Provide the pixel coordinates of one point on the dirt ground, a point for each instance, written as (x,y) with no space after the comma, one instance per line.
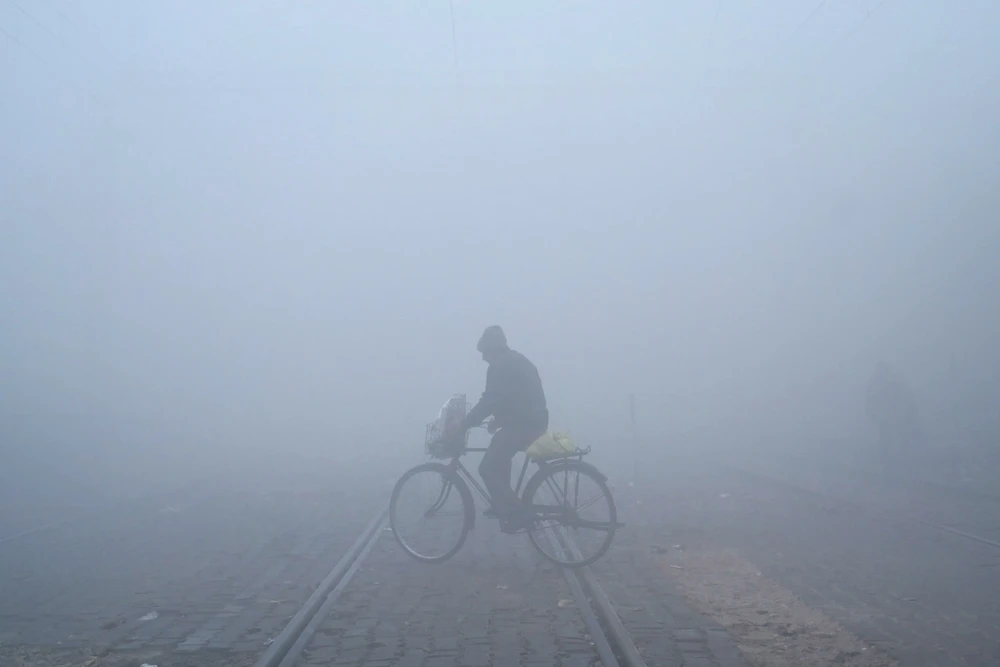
(771,626)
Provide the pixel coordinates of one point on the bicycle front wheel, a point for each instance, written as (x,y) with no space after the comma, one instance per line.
(431,512)
(575,515)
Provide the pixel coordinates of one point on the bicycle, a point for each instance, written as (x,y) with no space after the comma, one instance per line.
(453,476)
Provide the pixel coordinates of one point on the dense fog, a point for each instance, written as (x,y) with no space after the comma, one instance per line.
(235,234)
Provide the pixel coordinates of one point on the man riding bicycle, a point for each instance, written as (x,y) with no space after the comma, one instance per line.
(515,399)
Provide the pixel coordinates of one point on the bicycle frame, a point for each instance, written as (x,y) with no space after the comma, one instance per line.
(465,474)
(470,479)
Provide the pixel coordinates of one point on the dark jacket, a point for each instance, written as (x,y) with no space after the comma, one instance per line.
(513,395)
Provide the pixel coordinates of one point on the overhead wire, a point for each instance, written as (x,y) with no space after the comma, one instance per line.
(715,21)
(56,37)
(36,56)
(459,91)
(14,39)
(62,15)
(87,35)
(454,42)
(60,73)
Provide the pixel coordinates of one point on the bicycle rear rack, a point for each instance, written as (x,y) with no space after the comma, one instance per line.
(577,454)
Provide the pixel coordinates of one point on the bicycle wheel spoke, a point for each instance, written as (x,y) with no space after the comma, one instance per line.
(557,493)
(576,492)
(576,506)
(556,502)
(589,503)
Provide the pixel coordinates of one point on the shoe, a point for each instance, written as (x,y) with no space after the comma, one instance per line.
(510,527)
(490,513)
(521,521)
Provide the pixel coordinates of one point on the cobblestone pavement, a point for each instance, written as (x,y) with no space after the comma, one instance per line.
(665,629)
(207,577)
(969,509)
(926,597)
(220,568)
(495,603)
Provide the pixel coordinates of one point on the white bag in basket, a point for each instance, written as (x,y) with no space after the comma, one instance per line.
(443,437)
(452,413)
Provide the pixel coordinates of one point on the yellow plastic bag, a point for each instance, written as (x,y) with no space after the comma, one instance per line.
(550,445)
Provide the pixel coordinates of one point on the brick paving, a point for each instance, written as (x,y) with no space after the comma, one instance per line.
(495,603)
(499,603)
(665,629)
(969,509)
(218,570)
(224,569)
(926,598)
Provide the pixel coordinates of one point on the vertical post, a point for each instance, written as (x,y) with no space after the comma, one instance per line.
(956,413)
(635,437)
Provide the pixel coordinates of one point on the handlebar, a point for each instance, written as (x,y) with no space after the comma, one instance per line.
(483,425)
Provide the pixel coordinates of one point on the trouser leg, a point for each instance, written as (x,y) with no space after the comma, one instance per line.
(495,469)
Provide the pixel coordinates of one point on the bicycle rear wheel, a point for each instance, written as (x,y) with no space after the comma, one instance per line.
(431,512)
(575,515)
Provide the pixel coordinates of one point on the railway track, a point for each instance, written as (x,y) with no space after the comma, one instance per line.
(925,484)
(288,646)
(911,517)
(606,632)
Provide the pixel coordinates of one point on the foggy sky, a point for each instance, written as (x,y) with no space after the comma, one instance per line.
(265,227)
